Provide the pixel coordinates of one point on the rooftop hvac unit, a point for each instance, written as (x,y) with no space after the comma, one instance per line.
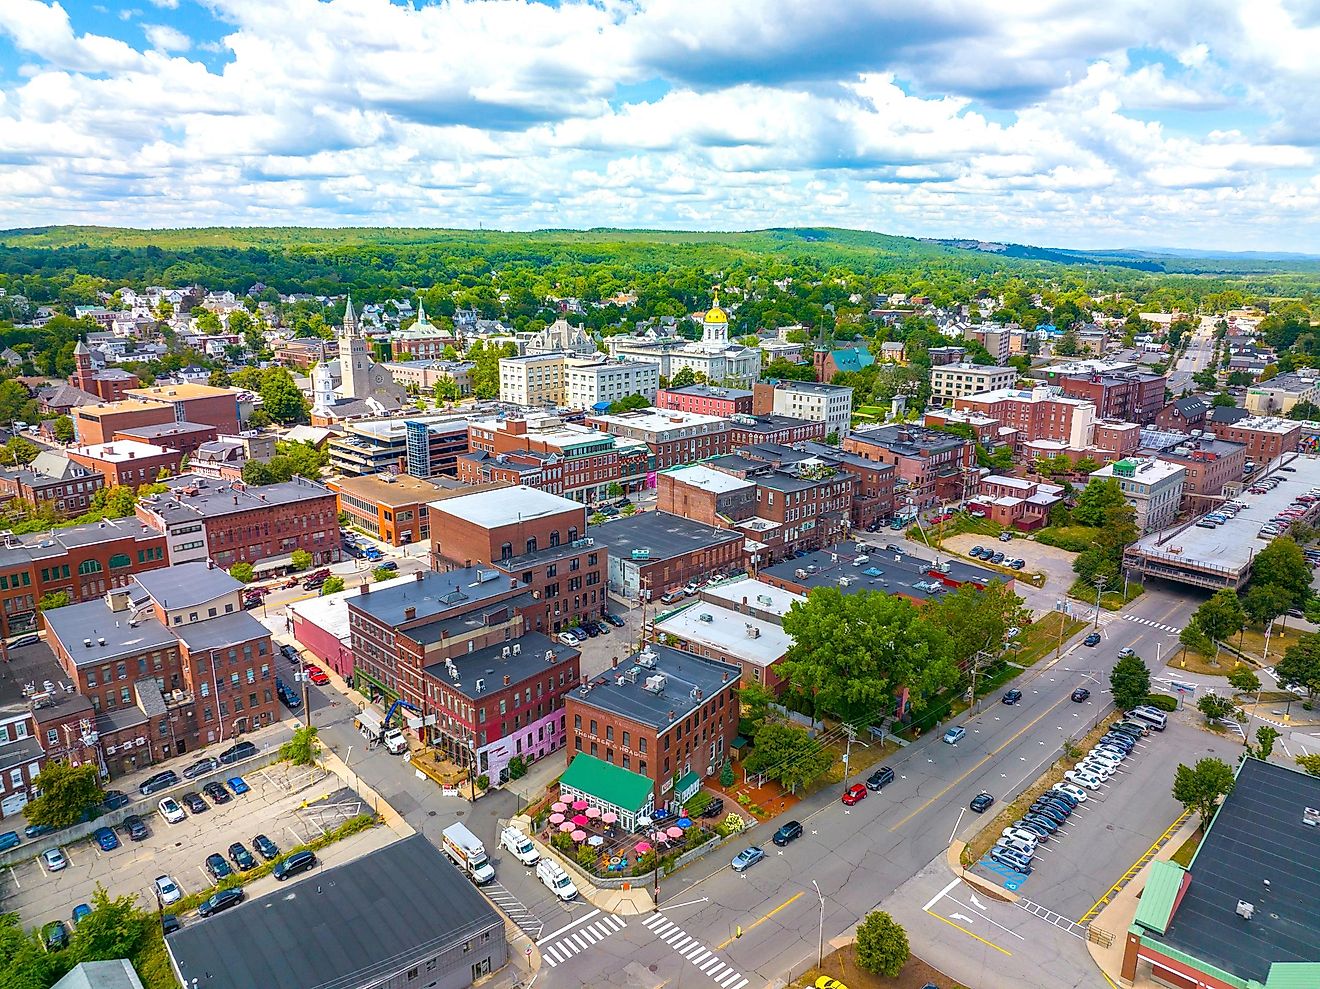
(504,653)
(1245,910)
(481,684)
(753,632)
(764,599)
(646,658)
(655,684)
(706,617)
(110,750)
(517,648)
(799,573)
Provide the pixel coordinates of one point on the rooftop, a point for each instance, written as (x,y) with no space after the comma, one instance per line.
(330,611)
(221,631)
(111,634)
(519,503)
(769,423)
(1146,471)
(430,592)
(34,664)
(121,451)
(814,387)
(1291,381)
(123,405)
(710,391)
(857,566)
(758,595)
(165,430)
(176,393)
(731,633)
(187,584)
(481,673)
(192,497)
(341,928)
(1041,393)
(663,535)
(967,366)
(17,550)
(392,490)
(1267,424)
(909,440)
(708,479)
(688,681)
(663,420)
(1257,837)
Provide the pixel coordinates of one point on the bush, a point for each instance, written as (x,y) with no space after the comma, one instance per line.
(483,782)
(1162,702)
(732,824)
(517,767)
(882,945)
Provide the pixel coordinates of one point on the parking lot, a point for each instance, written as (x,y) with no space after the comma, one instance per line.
(597,653)
(273,806)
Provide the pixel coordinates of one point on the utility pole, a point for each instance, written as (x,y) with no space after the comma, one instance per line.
(847,754)
(1100,583)
(820,929)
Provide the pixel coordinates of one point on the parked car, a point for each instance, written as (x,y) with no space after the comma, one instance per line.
(106,839)
(747,858)
(976,552)
(222,900)
(55,935)
(167,890)
(1082,778)
(955,734)
(1006,856)
(217,793)
(981,802)
(1125,652)
(290,653)
(1011,696)
(294,864)
(53,859)
(217,867)
(114,799)
(1005,537)
(591,630)
(243,750)
(1018,564)
(195,803)
(790,831)
(241,857)
(1076,793)
(80,913)
(614,620)
(854,793)
(201,768)
(36,831)
(30,639)
(170,810)
(1092,640)
(237,785)
(880,779)
(266,848)
(8,840)
(1022,835)
(1080,695)
(387,565)
(568,640)
(287,695)
(135,827)
(161,781)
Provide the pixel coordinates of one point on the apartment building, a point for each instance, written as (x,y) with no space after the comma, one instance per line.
(994,337)
(706,400)
(1278,395)
(561,457)
(1210,464)
(1154,488)
(1265,437)
(662,713)
(534,536)
(930,467)
(873,484)
(52,480)
(830,404)
(1040,413)
(671,437)
(127,461)
(1134,396)
(949,382)
(231,522)
(749,430)
(562,380)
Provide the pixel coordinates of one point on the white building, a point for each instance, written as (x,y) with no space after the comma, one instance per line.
(532,381)
(950,381)
(1153,487)
(721,362)
(812,400)
(572,382)
(560,337)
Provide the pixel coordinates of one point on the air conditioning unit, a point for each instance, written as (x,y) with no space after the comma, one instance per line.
(706,617)
(110,750)
(481,684)
(517,648)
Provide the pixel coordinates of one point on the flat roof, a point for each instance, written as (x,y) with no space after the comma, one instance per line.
(965,366)
(682,671)
(123,405)
(659,420)
(28,664)
(216,499)
(710,391)
(882,570)
(224,630)
(491,666)
(75,623)
(519,503)
(728,632)
(759,595)
(665,535)
(329,612)
(431,592)
(175,393)
(164,429)
(389,489)
(121,451)
(341,927)
(708,479)
(187,584)
(1256,836)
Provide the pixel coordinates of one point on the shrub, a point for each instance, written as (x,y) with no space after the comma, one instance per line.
(726,774)
(483,782)
(882,945)
(1162,702)
(517,767)
(587,858)
(697,804)
(732,824)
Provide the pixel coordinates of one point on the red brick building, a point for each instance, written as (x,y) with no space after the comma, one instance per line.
(1210,463)
(746,430)
(673,438)
(654,553)
(128,461)
(661,713)
(1183,414)
(108,385)
(873,484)
(706,400)
(52,480)
(99,423)
(1038,414)
(1264,437)
(1133,396)
(217,407)
(533,536)
(186,437)
(930,467)
(557,456)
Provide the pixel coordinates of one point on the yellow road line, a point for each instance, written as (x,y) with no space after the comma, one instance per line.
(757,923)
(1133,869)
(1011,739)
(1002,951)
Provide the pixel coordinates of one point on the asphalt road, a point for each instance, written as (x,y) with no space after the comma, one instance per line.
(1200,352)
(858,856)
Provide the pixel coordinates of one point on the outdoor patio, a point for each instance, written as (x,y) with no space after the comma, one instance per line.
(598,843)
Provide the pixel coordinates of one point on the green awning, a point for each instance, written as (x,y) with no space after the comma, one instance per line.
(610,784)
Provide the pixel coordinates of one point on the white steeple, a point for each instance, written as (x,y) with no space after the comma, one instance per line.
(421,314)
(323,387)
(350,318)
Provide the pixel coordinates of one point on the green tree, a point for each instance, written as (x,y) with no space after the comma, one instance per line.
(1282,564)
(1310,763)
(615,490)
(1199,788)
(62,428)
(1304,412)
(882,946)
(1130,682)
(20,450)
(973,620)
(332,585)
(852,653)
(446,390)
(383,573)
(1222,401)
(301,749)
(1243,679)
(754,700)
(67,792)
(54,599)
(281,399)
(629,403)
(1194,637)
(115,502)
(726,774)
(256,473)
(1265,602)
(301,559)
(1266,736)
(683,378)
(1221,616)
(115,928)
(242,572)
(1097,498)
(1215,707)
(784,370)
(788,754)
(1300,666)
(24,963)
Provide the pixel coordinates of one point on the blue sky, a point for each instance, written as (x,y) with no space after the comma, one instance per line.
(1183,124)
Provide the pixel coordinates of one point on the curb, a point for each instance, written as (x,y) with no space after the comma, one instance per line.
(953,856)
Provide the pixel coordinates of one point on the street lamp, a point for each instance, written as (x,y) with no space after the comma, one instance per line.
(820,928)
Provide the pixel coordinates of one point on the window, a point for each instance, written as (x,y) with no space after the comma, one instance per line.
(89,566)
(120,560)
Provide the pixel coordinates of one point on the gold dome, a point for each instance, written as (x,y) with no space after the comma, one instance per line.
(715,314)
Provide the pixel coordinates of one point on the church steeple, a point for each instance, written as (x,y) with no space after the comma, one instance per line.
(421,314)
(350,318)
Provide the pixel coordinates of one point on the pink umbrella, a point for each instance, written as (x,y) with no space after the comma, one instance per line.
(659,836)
(566,827)
(559,807)
(674,832)
(580,820)
(609,817)
(642,848)
(556,818)
(593,812)
(579,805)
(579,836)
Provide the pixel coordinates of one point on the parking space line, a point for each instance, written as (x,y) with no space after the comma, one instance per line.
(988,920)
(1136,867)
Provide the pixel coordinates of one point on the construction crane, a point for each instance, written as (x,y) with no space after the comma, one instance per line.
(389,715)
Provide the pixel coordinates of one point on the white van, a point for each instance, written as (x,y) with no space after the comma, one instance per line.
(1152,716)
(554,877)
(520,845)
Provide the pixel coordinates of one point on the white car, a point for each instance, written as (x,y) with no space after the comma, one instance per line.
(1021,835)
(1076,792)
(1082,778)
(1111,756)
(168,890)
(1097,768)
(170,810)
(54,859)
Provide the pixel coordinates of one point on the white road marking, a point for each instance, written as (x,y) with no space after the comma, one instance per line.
(934,899)
(568,927)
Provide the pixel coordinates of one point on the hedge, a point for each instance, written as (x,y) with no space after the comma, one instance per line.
(1163,701)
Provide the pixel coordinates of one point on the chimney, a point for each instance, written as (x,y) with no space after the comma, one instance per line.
(210,564)
(614,663)
(506,681)
(419,575)
(671,714)
(409,613)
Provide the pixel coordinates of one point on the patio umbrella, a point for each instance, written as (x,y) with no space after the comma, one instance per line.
(660,836)
(675,832)
(579,805)
(556,818)
(566,827)
(595,841)
(641,848)
(684,822)
(559,807)
(580,820)
(593,812)
(643,821)
(609,817)
(579,836)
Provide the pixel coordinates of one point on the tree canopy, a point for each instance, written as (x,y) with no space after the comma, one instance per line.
(67,793)
(1199,788)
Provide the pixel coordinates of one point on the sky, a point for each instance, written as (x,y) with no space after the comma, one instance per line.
(1069,123)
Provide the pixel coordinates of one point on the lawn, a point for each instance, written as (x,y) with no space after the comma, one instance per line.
(1073,538)
(842,965)
(1183,856)
(1253,642)
(1042,637)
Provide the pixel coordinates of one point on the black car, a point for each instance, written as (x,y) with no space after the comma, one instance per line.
(217,867)
(243,750)
(788,832)
(288,698)
(1063,795)
(266,848)
(222,900)
(1119,740)
(241,857)
(194,802)
(289,653)
(294,864)
(1080,695)
(1048,823)
(614,620)
(981,802)
(217,793)
(1053,811)
(200,768)
(997,558)
(136,828)
(1092,640)
(1012,696)
(713,809)
(114,799)
(880,779)
(55,935)
(161,781)
(591,629)
(1039,830)
(314,583)
(169,923)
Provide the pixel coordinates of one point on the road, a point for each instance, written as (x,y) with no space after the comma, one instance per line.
(858,856)
(1198,356)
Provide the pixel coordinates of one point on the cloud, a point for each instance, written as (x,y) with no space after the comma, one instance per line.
(166,39)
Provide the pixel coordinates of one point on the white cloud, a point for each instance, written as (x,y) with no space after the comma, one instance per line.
(166,39)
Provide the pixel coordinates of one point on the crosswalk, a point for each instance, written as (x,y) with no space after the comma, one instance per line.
(564,944)
(515,909)
(695,952)
(1146,621)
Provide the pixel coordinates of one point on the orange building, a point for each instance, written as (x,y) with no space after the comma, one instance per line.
(100,423)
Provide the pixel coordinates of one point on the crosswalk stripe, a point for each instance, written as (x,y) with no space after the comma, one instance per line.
(581,939)
(653,920)
(698,955)
(682,943)
(693,950)
(662,927)
(739,985)
(709,963)
(719,966)
(590,936)
(615,922)
(733,977)
(673,936)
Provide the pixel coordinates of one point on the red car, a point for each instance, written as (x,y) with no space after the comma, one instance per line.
(854,793)
(317,675)
(942,517)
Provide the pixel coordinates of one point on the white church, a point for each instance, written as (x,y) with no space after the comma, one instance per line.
(365,388)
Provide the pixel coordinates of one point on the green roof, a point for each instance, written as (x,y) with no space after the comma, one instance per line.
(1293,975)
(852,359)
(613,784)
(686,782)
(1155,908)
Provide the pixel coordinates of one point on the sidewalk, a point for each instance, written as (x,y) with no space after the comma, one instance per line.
(539,776)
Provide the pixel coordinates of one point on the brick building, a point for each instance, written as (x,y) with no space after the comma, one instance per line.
(536,537)
(873,485)
(949,382)
(653,553)
(456,646)
(1264,437)
(930,467)
(108,384)
(672,437)
(169,664)
(99,423)
(216,407)
(565,458)
(1210,463)
(127,461)
(830,404)
(52,480)
(187,437)
(390,507)
(661,713)
(230,522)
(745,430)
(1015,502)
(1183,414)
(1134,396)
(1039,413)
(707,400)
